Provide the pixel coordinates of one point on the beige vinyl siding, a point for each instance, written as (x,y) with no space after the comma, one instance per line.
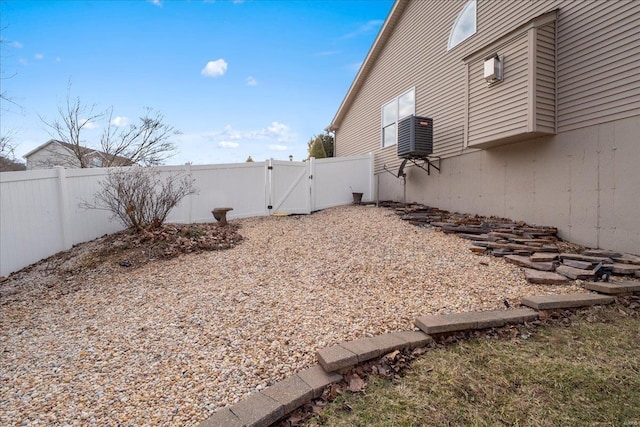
(545,95)
(597,49)
(500,110)
(598,63)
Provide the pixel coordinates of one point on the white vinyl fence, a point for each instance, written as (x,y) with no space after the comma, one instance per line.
(40,212)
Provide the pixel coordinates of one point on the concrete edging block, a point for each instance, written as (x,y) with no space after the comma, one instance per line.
(441,323)
(336,357)
(222,418)
(317,378)
(258,410)
(291,393)
(613,288)
(550,302)
(364,348)
(414,339)
(499,318)
(388,342)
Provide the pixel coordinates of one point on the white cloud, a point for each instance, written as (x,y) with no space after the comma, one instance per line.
(58,59)
(277,147)
(228,144)
(214,68)
(23,61)
(365,28)
(156,2)
(251,81)
(38,56)
(16,44)
(120,121)
(89,125)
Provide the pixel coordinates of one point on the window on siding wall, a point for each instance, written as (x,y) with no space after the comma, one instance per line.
(392,112)
(465,25)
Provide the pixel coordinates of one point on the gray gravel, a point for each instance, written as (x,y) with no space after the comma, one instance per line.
(170,342)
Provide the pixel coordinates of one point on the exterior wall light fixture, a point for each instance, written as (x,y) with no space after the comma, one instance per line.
(493,68)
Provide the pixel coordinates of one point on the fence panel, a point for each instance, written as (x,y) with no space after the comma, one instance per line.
(335,178)
(290,187)
(41,212)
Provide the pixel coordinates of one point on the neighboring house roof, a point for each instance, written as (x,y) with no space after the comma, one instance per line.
(384,34)
(120,161)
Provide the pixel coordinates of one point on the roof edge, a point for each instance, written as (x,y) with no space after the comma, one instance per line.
(384,34)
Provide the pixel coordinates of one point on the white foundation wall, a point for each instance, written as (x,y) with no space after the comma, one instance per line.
(585,182)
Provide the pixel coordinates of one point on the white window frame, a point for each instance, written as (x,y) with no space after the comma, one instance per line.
(395,102)
(458,30)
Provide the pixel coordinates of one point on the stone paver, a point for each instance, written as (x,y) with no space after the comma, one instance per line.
(317,378)
(436,324)
(222,418)
(258,410)
(291,393)
(544,277)
(549,302)
(336,357)
(613,288)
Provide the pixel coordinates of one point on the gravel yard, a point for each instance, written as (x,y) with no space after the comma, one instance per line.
(170,342)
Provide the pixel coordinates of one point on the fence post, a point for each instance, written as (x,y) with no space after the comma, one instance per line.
(63,204)
(187,167)
(371,173)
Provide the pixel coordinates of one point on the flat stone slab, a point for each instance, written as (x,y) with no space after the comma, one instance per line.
(619,268)
(613,288)
(524,261)
(544,277)
(601,253)
(627,259)
(441,323)
(593,259)
(575,273)
(317,378)
(291,393)
(582,265)
(258,410)
(336,357)
(550,302)
(543,257)
(638,273)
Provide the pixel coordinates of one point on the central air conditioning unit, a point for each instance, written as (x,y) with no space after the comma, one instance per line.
(415,137)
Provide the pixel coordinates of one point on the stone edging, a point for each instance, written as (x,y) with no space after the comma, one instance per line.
(267,406)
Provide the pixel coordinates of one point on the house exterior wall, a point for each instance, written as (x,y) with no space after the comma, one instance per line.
(52,155)
(584,179)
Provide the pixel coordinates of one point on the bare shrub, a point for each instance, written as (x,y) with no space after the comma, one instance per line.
(139,197)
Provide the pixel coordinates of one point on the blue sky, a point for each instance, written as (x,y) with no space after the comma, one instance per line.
(237,78)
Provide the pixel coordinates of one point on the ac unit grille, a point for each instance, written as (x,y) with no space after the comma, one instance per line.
(415,137)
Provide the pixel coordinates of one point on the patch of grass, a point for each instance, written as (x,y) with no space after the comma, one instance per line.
(585,374)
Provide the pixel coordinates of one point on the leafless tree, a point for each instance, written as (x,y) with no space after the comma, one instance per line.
(138,196)
(74,117)
(147,142)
